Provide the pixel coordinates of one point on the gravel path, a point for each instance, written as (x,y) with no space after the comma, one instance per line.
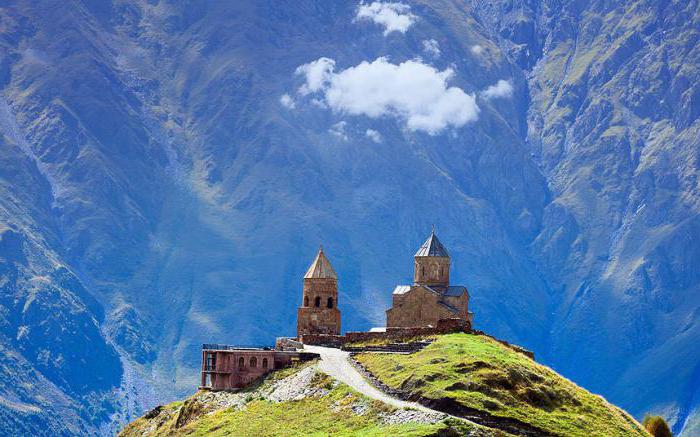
(336,363)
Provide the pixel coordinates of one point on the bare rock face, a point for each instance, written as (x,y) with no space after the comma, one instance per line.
(155,192)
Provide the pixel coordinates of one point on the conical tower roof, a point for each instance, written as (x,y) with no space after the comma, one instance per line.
(321,267)
(432,247)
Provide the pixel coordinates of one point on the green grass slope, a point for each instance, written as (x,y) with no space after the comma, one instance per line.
(337,410)
(478,375)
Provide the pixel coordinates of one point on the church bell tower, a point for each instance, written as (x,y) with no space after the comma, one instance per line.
(318,313)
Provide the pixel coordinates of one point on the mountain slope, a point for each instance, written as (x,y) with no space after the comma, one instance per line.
(49,324)
(614,124)
(146,151)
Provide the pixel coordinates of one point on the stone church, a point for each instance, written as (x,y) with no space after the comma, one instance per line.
(431,297)
(431,303)
(427,304)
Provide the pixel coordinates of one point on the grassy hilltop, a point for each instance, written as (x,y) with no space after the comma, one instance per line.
(478,376)
(460,374)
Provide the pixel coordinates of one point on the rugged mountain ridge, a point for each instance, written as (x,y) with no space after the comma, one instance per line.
(146,155)
(613,123)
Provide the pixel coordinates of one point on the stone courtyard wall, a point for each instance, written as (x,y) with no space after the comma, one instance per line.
(444,326)
(288,344)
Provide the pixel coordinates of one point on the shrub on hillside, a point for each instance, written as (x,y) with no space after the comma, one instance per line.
(657,426)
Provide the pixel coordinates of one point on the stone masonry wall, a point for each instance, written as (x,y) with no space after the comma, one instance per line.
(444,326)
(418,307)
(319,312)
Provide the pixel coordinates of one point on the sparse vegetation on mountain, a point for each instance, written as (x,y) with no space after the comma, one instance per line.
(476,376)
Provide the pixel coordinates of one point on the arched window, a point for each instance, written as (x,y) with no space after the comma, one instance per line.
(329,304)
(253,362)
(422,271)
(264,363)
(317,302)
(306,301)
(241,363)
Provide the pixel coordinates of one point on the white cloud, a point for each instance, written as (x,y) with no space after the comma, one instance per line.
(338,130)
(374,135)
(317,74)
(502,88)
(395,17)
(413,92)
(287,101)
(431,47)
(477,49)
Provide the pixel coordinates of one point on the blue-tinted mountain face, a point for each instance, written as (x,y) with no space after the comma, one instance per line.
(168,170)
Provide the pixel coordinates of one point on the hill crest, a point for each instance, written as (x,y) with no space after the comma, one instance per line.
(466,382)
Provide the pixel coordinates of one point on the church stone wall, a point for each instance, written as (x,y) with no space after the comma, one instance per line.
(444,326)
(320,290)
(311,320)
(431,270)
(417,307)
(461,303)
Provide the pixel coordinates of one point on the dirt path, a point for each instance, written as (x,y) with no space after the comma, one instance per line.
(336,363)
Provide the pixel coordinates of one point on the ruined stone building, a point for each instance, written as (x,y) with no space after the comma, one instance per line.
(229,367)
(431,297)
(318,313)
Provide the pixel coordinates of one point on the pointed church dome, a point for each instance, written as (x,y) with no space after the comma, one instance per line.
(432,247)
(321,267)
